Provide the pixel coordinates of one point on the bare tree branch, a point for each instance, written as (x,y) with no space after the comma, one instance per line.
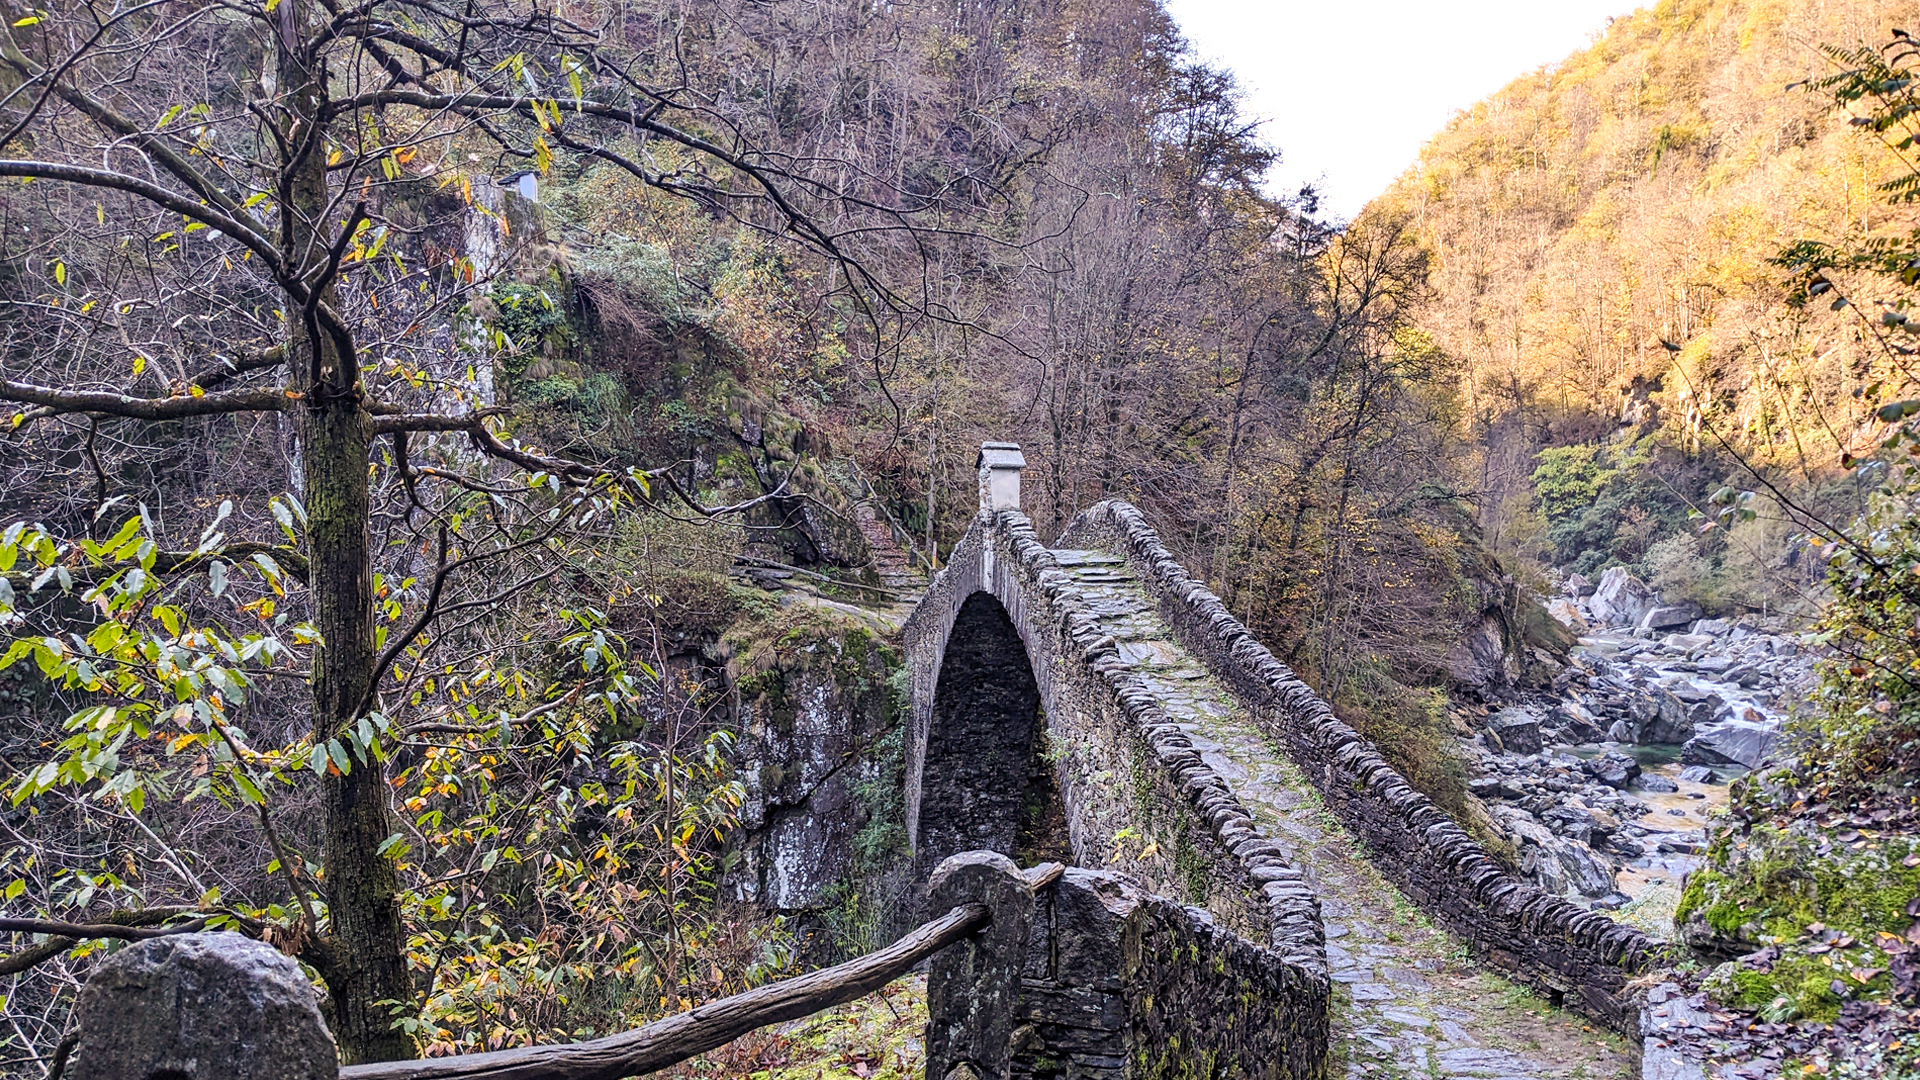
(274,399)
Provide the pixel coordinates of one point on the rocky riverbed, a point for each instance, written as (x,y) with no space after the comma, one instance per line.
(1604,782)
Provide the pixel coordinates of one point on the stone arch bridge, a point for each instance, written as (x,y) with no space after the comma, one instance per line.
(1088,700)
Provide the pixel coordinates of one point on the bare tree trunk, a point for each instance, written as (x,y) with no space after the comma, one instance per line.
(369,964)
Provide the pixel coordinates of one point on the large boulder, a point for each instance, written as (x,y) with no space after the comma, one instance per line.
(1516,730)
(1685,643)
(1620,599)
(1564,612)
(1577,586)
(1576,724)
(1735,742)
(1673,725)
(1584,871)
(1669,616)
(1614,769)
(200,1007)
(1568,820)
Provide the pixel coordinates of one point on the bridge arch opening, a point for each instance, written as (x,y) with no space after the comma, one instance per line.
(986,783)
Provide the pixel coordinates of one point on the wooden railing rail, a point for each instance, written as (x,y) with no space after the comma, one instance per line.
(670,1041)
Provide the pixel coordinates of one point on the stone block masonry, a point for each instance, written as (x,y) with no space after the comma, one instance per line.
(1122,984)
(1575,957)
(1136,793)
(1011,627)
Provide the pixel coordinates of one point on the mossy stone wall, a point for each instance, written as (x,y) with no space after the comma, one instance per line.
(1123,984)
(1573,956)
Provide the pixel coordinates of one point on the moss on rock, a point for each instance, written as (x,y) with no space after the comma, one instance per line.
(1808,909)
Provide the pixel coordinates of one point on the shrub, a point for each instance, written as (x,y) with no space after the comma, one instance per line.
(1675,568)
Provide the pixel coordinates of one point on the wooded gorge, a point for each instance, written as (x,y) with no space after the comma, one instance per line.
(615,299)
(466,465)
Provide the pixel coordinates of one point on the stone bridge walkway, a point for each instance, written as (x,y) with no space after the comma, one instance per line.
(1410,1004)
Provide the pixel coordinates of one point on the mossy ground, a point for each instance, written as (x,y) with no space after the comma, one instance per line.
(1821,902)
(878,1037)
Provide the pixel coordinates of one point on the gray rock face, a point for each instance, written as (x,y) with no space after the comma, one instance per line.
(1577,586)
(200,1007)
(806,729)
(1699,774)
(1517,731)
(1572,822)
(1736,742)
(1480,657)
(1620,598)
(1670,616)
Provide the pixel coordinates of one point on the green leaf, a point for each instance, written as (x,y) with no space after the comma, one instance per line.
(14,652)
(249,789)
(1898,410)
(338,752)
(317,761)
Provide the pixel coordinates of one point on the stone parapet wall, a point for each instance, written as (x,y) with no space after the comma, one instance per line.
(1122,984)
(1577,957)
(1132,766)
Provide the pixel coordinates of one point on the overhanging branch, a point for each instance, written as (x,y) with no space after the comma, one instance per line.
(153,193)
(271,399)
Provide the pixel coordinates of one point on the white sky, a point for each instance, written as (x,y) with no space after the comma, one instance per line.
(1351,89)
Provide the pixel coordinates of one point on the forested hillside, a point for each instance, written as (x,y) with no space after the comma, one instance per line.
(448,448)
(1677,274)
(466,469)
(1605,234)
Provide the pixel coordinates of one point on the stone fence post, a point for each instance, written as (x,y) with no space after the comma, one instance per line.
(205,1006)
(973,987)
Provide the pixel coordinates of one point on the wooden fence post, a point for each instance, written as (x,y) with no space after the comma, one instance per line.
(973,988)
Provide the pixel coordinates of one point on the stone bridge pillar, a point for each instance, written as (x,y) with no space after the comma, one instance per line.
(1000,464)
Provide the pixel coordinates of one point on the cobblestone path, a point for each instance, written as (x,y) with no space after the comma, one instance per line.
(1409,1002)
